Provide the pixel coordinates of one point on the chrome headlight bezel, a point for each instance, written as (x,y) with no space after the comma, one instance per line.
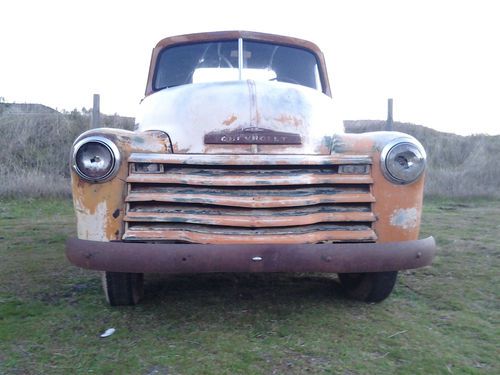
(110,146)
(393,149)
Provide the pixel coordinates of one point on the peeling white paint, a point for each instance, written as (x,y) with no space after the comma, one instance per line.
(186,113)
(405,218)
(92,226)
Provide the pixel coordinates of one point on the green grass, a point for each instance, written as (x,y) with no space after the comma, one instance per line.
(440,319)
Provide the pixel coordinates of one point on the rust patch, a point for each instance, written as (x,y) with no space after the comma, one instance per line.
(188,258)
(188,233)
(389,197)
(247,178)
(289,120)
(229,120)
(406,218)
(247,218)
(178,149)
(251,202)
(99,207)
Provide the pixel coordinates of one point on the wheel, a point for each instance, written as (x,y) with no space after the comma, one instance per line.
(368,287)
(121,288)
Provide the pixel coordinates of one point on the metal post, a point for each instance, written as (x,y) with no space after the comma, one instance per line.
(95,117)
(390,122)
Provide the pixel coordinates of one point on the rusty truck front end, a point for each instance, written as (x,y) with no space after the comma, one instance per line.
(239,164)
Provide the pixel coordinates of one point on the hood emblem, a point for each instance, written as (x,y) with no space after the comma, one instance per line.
(252,135)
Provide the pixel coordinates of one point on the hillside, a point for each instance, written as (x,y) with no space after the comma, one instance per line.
(458,165)
(24,108)
(35,144)
(36,140)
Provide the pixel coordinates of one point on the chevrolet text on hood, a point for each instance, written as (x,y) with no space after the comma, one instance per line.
(239,163)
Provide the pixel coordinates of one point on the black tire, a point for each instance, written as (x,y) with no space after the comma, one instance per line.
(368,287)
(123,289)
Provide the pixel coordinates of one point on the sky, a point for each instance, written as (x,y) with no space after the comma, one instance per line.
(439,60)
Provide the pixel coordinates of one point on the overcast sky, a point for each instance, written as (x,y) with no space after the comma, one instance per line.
(439,60)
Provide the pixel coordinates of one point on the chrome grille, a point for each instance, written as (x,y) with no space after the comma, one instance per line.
(248,199)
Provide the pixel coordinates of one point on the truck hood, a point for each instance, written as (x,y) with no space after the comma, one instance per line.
(242,117)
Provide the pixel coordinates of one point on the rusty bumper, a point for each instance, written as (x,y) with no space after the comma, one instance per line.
(197,258)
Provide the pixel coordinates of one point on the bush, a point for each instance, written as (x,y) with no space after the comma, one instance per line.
(35,147)
(458,166)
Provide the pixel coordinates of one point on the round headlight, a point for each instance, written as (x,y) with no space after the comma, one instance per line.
(403,161)
(96,159)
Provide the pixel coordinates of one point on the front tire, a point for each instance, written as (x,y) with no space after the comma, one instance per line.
(123,288)
(368,287)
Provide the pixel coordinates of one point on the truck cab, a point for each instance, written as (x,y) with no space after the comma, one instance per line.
(239,163)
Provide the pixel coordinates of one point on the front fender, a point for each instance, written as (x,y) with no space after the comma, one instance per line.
(100,207)
(398,208)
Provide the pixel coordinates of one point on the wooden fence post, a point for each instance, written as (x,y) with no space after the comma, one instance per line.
(389,126)
(95,119)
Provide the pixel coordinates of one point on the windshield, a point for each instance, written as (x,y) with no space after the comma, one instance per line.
(235,60)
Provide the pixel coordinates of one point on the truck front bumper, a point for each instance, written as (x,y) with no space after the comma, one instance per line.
(198,258)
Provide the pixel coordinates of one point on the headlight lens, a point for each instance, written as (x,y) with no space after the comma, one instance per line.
(96,159)
(403,161)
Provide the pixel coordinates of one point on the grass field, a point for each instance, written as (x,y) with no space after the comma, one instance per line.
(441,319)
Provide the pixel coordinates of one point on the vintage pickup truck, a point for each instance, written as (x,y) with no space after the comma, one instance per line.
(239,163)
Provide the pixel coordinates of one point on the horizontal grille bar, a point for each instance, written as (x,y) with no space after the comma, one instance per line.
(252,218)
(205,234)
(220,177)
(251,159)
(252,198)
